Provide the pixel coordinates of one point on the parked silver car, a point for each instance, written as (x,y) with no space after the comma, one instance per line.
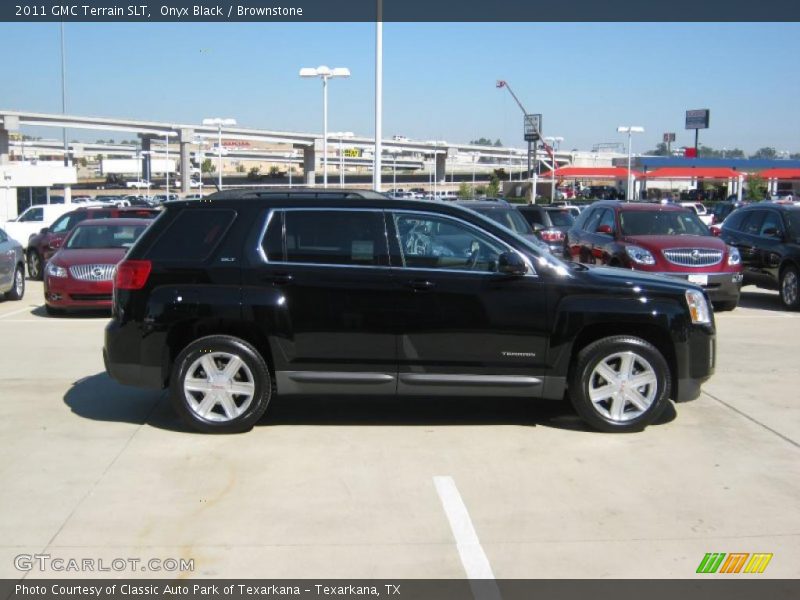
(12,268)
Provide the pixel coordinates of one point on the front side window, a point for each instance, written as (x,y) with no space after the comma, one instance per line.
(335,237)
(32,214)
(771,224)
(607,220)
(433,242)
(593,220)
(752,223)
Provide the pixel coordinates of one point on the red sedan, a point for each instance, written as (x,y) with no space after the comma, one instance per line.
(80,274)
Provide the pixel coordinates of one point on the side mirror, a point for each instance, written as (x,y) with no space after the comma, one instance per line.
(44,230)
(606,229)
(511,263)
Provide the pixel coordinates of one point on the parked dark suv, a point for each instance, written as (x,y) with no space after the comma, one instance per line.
(550,223)
(249,294)
(768,238)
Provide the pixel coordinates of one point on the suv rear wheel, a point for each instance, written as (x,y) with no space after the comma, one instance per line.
(35,266)
(220,384)
(790,288)
(620,384)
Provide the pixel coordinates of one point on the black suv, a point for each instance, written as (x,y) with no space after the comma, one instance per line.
(768,238)
(247,294)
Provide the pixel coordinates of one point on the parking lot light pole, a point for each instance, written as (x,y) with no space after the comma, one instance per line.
(219,123)
(630,130)
(341,135)
(324,73)
(394,152)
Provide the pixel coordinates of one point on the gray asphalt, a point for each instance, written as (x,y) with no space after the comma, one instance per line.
(91,469)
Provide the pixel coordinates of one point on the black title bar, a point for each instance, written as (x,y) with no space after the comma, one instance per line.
(401,10)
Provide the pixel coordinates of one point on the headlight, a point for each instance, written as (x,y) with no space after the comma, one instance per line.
(639,255)
(734,258)
(698,307)
(56,271)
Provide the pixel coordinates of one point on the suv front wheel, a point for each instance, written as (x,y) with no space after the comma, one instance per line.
(220,384)
(620,384)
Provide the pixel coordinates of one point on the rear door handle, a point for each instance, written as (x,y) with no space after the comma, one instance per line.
(421,285)
(282,278)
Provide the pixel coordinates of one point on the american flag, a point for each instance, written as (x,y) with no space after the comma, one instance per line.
(501,83)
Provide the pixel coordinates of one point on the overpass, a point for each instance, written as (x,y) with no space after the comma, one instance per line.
(188,135)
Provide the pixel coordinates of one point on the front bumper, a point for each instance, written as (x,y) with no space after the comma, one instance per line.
(720,287)
(66,292)
(696,359)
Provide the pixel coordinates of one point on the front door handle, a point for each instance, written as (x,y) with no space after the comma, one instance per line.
(421,285)
(282,278)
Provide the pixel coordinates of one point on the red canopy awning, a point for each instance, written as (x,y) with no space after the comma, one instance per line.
(780,174)
(591,173)
(693,173)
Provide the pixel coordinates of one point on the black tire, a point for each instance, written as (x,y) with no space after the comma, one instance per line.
(582,376)
(215,345)
(726,306)
(53,311)
(35,265)
(18,285)
(788,288)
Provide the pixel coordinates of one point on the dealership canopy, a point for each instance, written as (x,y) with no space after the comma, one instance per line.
(591,173)
(692,173)
(780,174)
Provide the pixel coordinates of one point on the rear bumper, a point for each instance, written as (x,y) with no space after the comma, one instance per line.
(127,362)
(720,287)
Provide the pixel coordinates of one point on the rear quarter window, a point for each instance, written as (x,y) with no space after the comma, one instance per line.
(192,236)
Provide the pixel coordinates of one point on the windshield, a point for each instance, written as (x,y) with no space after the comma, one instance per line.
(104,236)
(507,217)
(661,222)
(561,218)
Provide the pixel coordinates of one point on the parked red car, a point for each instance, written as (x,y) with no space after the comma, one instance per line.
(657,238)
(43,245)
(81,273)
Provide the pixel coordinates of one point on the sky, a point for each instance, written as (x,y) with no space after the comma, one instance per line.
(439,78)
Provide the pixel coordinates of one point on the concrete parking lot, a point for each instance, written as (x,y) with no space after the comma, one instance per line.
(347,488)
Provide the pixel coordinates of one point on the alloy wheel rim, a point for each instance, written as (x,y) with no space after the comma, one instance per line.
(789,288)
(34,265)
(19,282)
(219,387)
(622,386)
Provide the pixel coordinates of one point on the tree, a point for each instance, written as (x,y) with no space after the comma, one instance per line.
(464,191)
(660,150)
(83,162)
(501,174)
(207,166)
(274,171)
(254,173)
(482,142)
(795,156)
(756,187)
(498,143)
(766,152)
(493,189)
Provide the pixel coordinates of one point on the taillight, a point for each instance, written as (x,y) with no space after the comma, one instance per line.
(552,235)
(132,274)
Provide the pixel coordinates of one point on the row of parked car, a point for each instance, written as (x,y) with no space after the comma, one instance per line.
(748,244)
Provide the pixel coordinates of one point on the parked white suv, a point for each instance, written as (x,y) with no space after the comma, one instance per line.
(700,209)
(32,220)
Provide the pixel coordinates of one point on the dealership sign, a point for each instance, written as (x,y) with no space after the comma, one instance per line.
(698,119)
(533,127)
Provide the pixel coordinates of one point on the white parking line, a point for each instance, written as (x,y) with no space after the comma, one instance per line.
(476,564)
(21,310)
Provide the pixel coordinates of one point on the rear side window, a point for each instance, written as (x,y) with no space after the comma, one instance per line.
(560,218)
(734,220)
(326,237)
(533,216)
(193,235)
(272,244)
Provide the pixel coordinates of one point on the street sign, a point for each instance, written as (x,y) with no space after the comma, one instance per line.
(698,119)
(533,127)
(352,152)
(669,137)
